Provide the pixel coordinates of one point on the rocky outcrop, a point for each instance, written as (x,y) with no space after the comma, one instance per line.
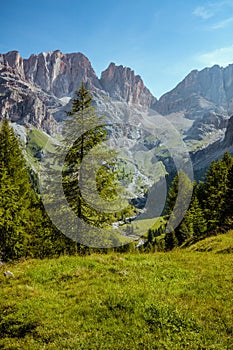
(61,74)
(121,83)
(56,73)
(205,156)
(209,89)
(208,123)
(23,102)
(204,97)
(228,139)
(13,62)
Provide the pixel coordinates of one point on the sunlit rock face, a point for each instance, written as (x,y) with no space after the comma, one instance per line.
(36,90)
(60,74)
(121,83)
(210,89)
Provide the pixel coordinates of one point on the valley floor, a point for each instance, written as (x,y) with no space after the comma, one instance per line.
(177,300)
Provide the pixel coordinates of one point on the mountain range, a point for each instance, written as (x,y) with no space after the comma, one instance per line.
(36,92)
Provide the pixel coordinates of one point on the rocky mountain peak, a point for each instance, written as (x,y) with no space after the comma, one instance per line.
(14,61)
(210,88)
(60,74)
(122,83)
(36,90)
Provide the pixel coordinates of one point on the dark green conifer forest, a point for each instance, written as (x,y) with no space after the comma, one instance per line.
(25,228)
(210,210)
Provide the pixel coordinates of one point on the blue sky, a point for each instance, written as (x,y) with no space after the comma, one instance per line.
(162,41)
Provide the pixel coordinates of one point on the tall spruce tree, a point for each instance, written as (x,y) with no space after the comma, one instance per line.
(193,225)
(25,229)
(229,201)
(170,240)
(178,199)
(214,190)
(16,197)
(210,210)
(227,212)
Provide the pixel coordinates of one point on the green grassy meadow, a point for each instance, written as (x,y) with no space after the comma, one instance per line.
(177,300)
(37,141)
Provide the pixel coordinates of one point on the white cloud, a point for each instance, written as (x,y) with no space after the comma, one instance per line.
(203,12)
(211,9)
(222,56)
(222,24)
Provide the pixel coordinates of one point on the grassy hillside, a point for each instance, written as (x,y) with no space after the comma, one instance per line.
(37,141)
(141,227)
(177,300)
(216,244)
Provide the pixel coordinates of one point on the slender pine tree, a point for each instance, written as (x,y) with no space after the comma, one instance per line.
(83,194)
(178,199)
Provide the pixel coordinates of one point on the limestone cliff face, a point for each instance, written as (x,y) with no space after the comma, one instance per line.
(60,74)
(54,72)
(121,83)
(204,98)
(23,102)
(35,90)
(205,156)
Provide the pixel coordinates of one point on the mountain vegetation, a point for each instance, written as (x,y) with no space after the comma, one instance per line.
(209,211)
(26,229)
(59,294)
(178,300)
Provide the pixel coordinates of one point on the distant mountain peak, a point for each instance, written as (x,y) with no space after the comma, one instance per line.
(122,83)
(209,89)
